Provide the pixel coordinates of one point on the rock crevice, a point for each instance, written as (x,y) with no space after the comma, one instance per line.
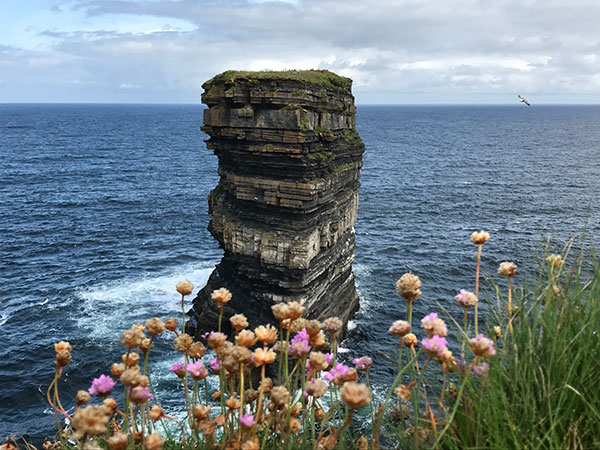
(286,203)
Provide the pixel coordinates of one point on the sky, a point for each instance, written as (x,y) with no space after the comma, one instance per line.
(396,51)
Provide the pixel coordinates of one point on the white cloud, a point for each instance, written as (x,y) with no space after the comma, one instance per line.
(434,51)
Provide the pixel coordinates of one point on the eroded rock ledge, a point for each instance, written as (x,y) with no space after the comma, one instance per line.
(286,203)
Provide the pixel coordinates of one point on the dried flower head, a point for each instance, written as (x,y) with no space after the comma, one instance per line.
(201,412)
(410,340)
(118,442)
(238,322)
(215,339)
(482,346)
(498,332)
(318,340)
(316,388)
(363,363)
(507,269)
(355,395)
(318,361)
(241,354)
(233,403)
(110,406)
(332,325)
(184,287)
(466,298)
(117,369)
(130,359)
(171,324)
(480,238)
(155,326)
(481,369)
(340,374)
(131,377)
(197,350)
(294,310)
(63,357)
(268,385)
(156,413)
(221,296)
(62,345)
(555,260)
(279,311)
(183,342)
(433,325)
(82,398)
(266,334)
(399,328)
(252,444)
(280,395)
(90,420)
(408,286)
(264,356)
(132,337)
(250,395)
(246,338)
(154,441)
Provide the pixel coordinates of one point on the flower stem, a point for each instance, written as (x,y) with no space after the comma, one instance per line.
(477,287)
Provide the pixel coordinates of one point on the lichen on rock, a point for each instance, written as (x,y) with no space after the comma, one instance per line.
(286,203)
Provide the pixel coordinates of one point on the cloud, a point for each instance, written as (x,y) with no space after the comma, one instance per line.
(439,50)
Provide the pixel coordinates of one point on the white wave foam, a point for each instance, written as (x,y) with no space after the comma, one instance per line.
(112,307)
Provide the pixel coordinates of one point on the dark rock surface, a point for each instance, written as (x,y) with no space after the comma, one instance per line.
(286,203)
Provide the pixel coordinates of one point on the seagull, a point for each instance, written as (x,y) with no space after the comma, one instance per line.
(523,100)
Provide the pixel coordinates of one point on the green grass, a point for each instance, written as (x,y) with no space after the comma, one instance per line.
(542,390)
(323,78)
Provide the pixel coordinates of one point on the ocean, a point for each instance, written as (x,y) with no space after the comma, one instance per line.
(103,209)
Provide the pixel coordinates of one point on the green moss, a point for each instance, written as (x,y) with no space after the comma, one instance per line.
(340,168)
(322,78)
(321,156)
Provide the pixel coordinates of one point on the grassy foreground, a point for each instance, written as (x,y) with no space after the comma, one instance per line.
(522,378)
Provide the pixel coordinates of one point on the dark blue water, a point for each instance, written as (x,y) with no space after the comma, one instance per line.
(103,209)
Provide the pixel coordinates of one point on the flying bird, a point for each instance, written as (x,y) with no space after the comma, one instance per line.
(523,100)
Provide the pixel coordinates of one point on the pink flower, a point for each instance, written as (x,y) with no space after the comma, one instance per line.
(466,298)
(362,363)
(339,374)
(435,346)
(481,369)
(329,358)
(197,370)
(434,326)
(399,328)
(247,420)
(215,365)
(178,369)
(299,346)
(140,394)
(482,346)
(102,386)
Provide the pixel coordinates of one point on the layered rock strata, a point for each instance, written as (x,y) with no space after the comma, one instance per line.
(286,203)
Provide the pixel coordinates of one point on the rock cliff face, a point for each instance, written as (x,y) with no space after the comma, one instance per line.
(286,203)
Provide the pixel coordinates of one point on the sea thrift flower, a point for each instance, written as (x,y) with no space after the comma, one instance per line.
(215,339)
(171,324)
(507,269)
(266,334)
(82,398)
(294,310)
(246,338)
(130,359)
(480,238)
(332,325)
(482,346)
(329,357)
(241,355)
(118,442)
(355,395)
(466,298)
(481,369)
(399,328)
(299,345)
(184,287)
(156,413)
(435,346)
(403,392)
(238,322)
(154,441)
(110,405)
(90,420)
(408,286)
(316,388)
(155,326)
(178,369)
(433,325)
(197,370)
(63,357)
(264,356)
(498,332)
(197,350)
(280,395)
(247,420)
(140,394)
(362,363)
(102,386)
(131,377)
(555,260)
(132,337)
(62,345)
(410,340)
(215,365)
(317,361)
(183,342)
(201,412)
(221,296)
(340,374)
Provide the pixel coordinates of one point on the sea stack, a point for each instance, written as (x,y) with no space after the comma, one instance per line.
(286,203)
